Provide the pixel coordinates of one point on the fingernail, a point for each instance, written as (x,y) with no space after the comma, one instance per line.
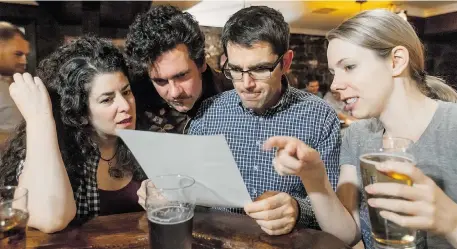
(369,188)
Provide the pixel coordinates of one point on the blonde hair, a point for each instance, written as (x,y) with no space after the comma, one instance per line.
(440,90)
(381,30)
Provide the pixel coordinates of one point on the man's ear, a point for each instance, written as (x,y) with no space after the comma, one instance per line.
(204,66)
(287,61)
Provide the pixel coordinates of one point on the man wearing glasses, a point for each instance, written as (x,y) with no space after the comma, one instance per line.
(256,42)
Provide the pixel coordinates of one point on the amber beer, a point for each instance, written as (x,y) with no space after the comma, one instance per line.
(13,227)
(384,232)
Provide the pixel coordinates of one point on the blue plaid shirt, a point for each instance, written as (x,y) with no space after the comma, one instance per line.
(297,114)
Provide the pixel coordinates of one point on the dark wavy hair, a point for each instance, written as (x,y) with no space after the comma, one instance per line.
(257,24)
(68,74)
(159,30)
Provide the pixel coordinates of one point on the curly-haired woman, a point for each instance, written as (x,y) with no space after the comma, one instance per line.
(66,152)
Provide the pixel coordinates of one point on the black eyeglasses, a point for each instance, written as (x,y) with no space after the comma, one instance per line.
(256,74)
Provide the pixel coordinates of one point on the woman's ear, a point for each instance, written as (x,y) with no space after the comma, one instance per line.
(400,60)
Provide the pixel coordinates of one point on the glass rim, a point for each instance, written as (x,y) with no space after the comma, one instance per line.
(192,181)
(25,193)
(376,150)
(404,155)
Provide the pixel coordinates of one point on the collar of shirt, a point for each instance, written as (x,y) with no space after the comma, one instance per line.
(281,105)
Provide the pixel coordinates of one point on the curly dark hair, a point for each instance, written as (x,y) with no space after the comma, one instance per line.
(256,24)
(159,30)
(68,74)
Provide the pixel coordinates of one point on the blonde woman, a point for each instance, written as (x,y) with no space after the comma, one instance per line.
(378,65)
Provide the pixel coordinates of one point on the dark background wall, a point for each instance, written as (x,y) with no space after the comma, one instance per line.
(41,29)
(49,23)
(441,51)
(310,58)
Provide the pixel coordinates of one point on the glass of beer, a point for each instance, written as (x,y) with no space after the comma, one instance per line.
(13,217)
(170,207)
(387,234)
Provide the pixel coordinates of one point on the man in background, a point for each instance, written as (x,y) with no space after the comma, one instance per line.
(14,49)
(312,86)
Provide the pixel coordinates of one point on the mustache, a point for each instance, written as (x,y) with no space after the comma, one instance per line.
(180,98)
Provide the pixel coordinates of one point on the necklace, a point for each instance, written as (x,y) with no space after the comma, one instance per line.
(110,161)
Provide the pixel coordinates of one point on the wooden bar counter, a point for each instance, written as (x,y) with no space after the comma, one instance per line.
(212,230)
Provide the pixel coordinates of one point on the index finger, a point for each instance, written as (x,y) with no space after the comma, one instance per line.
(278,141)
(290,149)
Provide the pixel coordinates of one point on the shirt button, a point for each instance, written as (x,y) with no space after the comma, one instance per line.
(256,167)
(254,191)
(259,142)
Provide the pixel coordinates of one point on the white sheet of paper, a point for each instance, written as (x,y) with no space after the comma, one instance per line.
(207,159)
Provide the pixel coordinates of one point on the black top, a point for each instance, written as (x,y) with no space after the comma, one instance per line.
(124,200)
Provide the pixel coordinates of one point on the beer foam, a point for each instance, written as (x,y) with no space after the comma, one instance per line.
(170,215)
(388,157)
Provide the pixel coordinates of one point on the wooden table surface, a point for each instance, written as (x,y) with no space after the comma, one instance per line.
(212,230)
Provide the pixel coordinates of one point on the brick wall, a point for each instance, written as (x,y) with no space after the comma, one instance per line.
(310,59)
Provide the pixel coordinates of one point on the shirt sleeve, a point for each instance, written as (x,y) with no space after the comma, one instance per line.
(347,154)
(306,215)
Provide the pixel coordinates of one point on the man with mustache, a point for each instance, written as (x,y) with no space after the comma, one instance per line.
(256,42)
(14,49)
(166,50)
